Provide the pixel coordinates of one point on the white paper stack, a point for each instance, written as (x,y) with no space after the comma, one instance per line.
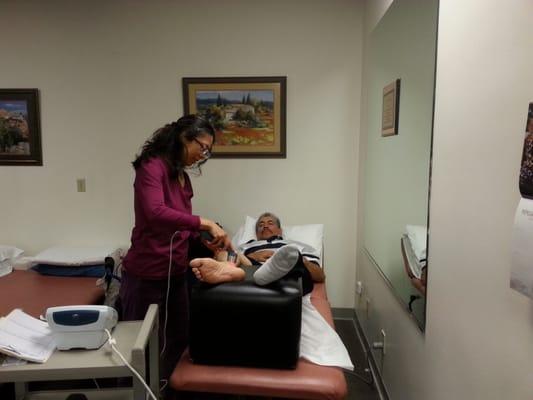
(26,337)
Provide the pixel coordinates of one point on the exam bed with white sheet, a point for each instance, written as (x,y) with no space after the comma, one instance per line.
(299,380)
(34,292)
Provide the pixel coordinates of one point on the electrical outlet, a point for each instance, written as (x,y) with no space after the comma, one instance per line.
(381,345)
(359,288)
(384,340)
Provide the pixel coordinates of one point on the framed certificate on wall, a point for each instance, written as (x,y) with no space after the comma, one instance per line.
(391,108)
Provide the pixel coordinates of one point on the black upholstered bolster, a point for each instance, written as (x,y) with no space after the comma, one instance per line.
(240,323)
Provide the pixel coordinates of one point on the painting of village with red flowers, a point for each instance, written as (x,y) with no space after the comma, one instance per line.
(20,136)
(248,116)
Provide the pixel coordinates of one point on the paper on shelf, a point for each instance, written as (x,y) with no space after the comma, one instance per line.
(26,337)
(8,361)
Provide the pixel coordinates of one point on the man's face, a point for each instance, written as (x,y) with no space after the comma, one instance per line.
(267,228)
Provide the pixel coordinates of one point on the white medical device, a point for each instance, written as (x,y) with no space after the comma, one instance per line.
(81,327)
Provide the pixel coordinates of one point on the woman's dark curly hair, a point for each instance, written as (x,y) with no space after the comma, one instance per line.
(167,142)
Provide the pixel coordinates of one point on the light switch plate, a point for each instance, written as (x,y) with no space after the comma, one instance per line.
(81,184)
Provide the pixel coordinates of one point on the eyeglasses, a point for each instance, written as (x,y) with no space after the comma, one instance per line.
(206,150)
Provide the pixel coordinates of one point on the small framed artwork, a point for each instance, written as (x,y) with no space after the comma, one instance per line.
(391,109)
(20,128)
(248,113)
(526,169)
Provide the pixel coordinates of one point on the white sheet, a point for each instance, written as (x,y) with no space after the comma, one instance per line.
(74,256)
(5,268)
(9,252)
(319,343)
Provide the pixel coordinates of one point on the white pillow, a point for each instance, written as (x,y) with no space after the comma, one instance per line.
(417,235)
(8,252)
(311,234)
(74,256)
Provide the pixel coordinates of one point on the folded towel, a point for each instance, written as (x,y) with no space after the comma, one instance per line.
(417,235)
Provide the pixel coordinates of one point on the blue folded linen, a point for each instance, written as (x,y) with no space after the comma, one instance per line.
(96,271)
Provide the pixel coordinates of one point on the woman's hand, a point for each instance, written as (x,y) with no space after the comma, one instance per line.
(220,237)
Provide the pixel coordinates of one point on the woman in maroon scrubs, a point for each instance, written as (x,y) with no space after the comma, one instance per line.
(152,272)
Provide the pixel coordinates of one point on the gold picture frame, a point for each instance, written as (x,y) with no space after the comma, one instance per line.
(248,113)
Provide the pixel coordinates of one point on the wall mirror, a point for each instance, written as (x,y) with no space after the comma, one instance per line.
(397,171)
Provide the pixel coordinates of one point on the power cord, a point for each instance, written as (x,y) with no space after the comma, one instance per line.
(112,341)
(164,382)
(361,377)
(163,348)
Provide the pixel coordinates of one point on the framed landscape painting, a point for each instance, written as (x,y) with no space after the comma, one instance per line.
(20,128)
(248,113)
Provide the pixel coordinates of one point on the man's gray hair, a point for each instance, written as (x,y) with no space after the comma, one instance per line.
(267,214)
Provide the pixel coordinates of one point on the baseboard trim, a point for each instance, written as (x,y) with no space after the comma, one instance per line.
(342,313)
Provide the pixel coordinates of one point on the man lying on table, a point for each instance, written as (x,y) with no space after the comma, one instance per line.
(278,258)
(295,259)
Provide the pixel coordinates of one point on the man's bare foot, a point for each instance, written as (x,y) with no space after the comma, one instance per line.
(211,271)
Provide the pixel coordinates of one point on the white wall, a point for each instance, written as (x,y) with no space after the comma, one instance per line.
(109,73)
(479,338)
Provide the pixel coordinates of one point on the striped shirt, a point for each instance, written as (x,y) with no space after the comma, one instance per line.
(275,243)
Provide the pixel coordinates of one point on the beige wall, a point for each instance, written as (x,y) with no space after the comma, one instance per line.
(109,73)
(479,338)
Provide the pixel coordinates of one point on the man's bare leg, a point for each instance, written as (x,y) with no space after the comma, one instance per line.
(241,258)
(212,271)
